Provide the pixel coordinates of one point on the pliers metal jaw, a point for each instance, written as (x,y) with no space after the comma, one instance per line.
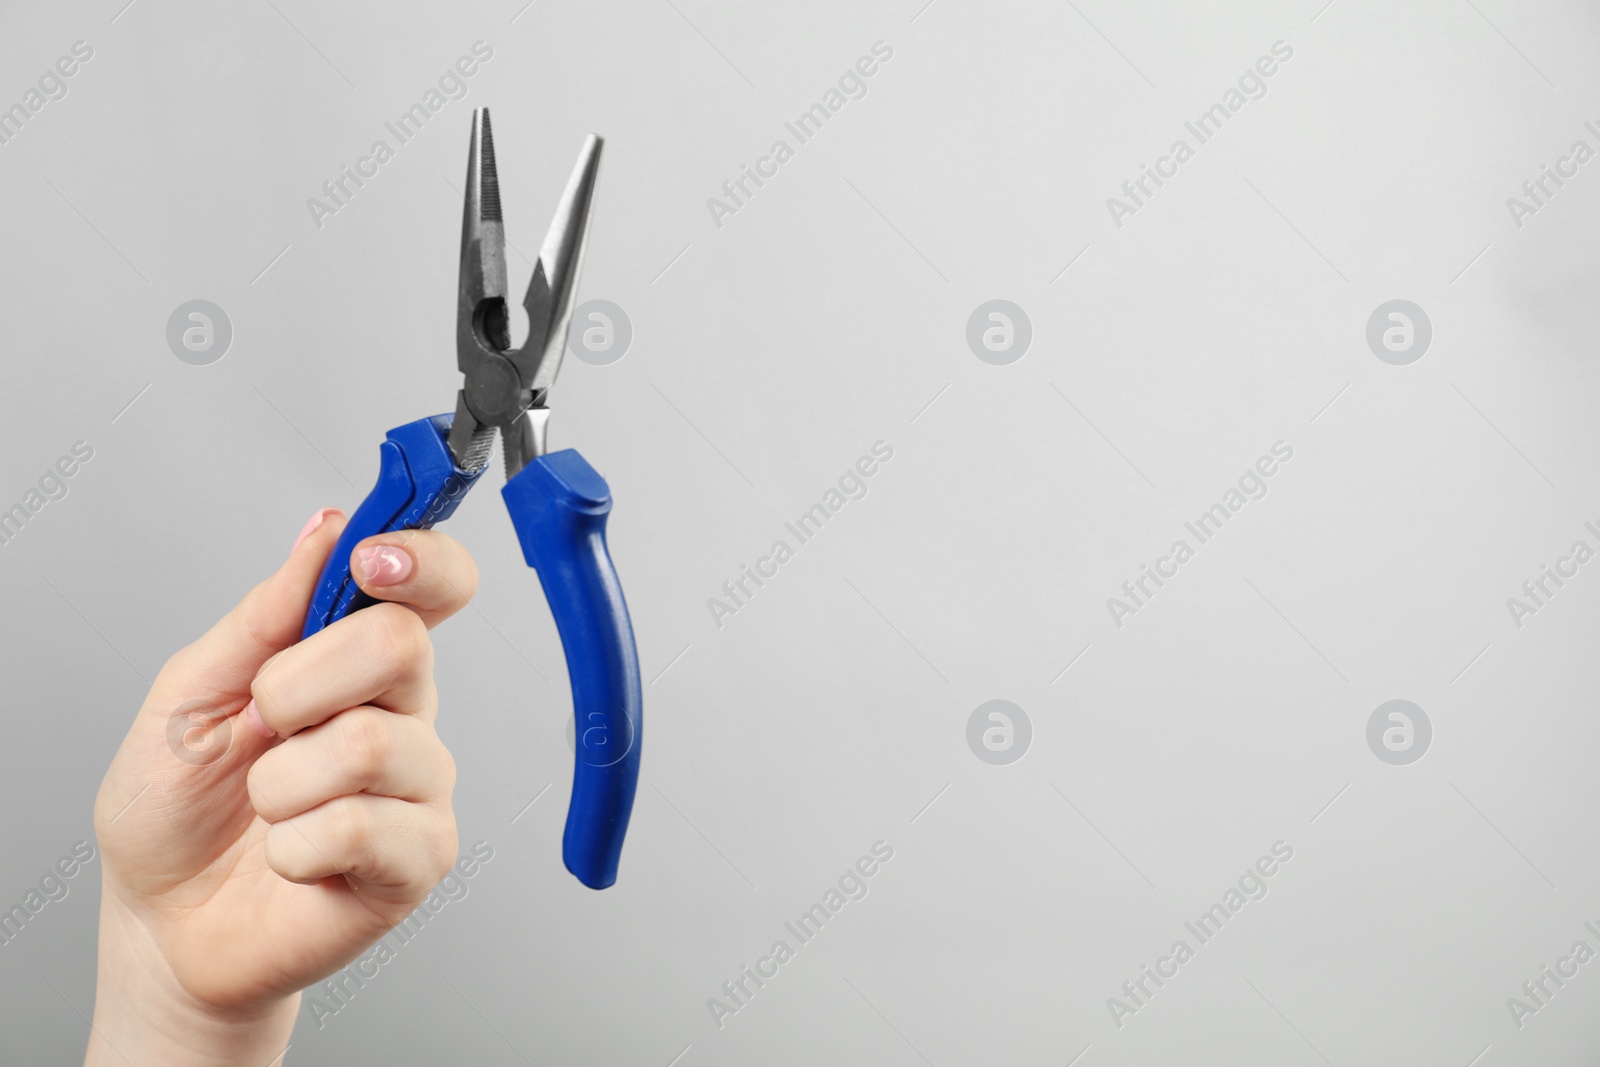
(558,503)
(506,388)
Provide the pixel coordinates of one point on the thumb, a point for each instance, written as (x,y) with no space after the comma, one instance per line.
(224,661)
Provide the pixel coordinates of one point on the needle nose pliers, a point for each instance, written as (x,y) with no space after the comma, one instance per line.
(557,502)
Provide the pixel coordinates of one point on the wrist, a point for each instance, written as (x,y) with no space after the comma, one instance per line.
(143,1015)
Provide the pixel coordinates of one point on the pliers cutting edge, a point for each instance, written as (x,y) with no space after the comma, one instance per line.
(558,503)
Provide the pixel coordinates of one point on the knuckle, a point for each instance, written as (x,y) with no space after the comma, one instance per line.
(448,763)
(180,663)
(351,832)
(368,743)
(272,689)
(258,781)
(441,773)
(442,848)
(401,637)
(286,855)
(255,620)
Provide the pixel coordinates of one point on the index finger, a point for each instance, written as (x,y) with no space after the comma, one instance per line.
(428,571)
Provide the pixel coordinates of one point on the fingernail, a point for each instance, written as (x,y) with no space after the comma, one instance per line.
(311,525)
(253,717)
(384,564)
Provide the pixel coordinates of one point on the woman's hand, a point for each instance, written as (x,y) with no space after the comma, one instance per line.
(277,806)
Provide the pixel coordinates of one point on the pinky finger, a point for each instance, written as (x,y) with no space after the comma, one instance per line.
(395,848)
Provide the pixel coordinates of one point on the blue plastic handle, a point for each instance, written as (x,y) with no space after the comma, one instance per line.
(559,504)
(419,484)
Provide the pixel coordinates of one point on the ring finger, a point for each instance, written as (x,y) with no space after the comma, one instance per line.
(362,750)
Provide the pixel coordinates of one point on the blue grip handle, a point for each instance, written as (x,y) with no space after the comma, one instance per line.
(419,484)
(559,504)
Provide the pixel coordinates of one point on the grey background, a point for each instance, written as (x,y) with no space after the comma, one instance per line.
(767,356)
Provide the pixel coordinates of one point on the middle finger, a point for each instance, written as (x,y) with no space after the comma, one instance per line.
(380,655)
